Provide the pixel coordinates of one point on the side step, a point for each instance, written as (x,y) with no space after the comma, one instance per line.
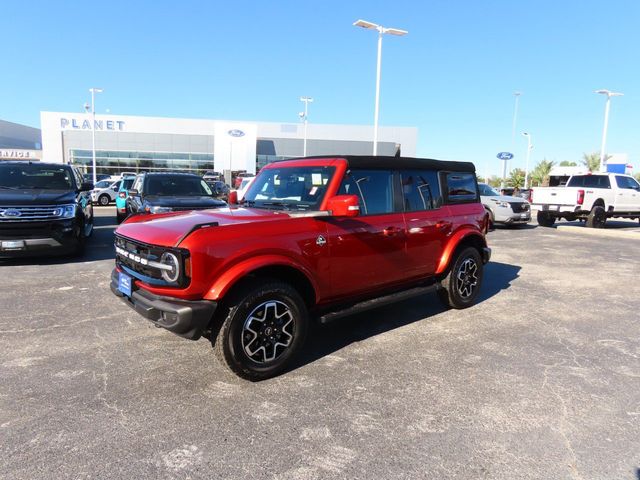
(376,302)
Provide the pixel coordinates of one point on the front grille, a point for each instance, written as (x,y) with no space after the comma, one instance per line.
(519,207)
(30,213)
(142,260)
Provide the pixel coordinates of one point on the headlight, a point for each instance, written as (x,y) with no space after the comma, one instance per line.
(171,274)
(65,211)
(501,203)
(159,209)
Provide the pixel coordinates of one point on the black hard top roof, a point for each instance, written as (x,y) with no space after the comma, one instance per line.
(383,162)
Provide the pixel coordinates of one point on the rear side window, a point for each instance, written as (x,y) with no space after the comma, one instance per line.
(420,190)
(374,189)
(589,181)
(461,187)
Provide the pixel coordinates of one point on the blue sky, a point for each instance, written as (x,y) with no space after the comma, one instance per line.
(453,76)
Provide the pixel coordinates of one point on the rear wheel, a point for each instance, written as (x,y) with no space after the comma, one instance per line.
(545,219)
(460,288)
(597,217)
(264,327)
(104,199)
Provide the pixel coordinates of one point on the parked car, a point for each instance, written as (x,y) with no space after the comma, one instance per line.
(121,198)
(504,209)
(211,176)
(244,186)
(238,179)
(592,197)
(161,192)
(105,191)
(317,239)
(220,189)
(88,177)
(44,208)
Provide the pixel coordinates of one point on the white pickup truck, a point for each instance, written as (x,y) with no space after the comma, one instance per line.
(590,197)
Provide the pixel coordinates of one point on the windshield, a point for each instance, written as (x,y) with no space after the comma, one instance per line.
(126,183)
(486,190)
(29,176)
(177,185)
(300,188)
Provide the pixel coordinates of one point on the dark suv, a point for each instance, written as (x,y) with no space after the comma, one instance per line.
(163,192)
(43,207)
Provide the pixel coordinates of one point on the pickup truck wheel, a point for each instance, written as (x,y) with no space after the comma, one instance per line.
(265,327)
(597,217)
(460,288)
(545,219)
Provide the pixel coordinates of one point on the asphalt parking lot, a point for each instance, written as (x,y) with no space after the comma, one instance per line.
(540,380)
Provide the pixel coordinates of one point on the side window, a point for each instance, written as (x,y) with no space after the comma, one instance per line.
(461,187)
(576,182)
(626,182)
(420,190)
(374,189)
(596,181)
(137,184)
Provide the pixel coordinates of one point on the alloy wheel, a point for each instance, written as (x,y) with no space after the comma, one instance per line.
(467,278)
(268,331)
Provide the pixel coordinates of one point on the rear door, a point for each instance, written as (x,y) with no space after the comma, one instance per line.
(426,220)
(368,251)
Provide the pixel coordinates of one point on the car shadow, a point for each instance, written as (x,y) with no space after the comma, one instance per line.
(99,246)
(324,340)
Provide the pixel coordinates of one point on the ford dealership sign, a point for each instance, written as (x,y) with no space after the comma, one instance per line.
(236,133)
(505,155)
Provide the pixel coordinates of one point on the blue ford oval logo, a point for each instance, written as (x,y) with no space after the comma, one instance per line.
(236,133)
(505,155)
(11,212)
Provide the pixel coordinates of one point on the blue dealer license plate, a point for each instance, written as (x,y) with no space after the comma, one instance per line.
(124,283)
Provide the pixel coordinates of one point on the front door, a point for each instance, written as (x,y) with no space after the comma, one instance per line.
(627,196)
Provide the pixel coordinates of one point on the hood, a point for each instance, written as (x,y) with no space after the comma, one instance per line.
(203,201)
(504,198)
(168,229)
(36,196)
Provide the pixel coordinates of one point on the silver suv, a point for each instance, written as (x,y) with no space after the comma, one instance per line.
(503,208)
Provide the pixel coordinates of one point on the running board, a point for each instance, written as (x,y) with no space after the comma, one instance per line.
(376,302)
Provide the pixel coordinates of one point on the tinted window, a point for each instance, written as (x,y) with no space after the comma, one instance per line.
(374,189)
(420,190)
(28,175)
(461,187)
(589,181)
(126,183)
(176,185)
(486,190)
(626,182)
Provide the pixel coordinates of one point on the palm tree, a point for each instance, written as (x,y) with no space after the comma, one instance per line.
(567,163)
(592,161)
(540,174)
(516,178)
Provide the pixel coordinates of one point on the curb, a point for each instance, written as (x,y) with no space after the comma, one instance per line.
(600,232)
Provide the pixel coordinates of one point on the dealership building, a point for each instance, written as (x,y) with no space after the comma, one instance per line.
(132,143)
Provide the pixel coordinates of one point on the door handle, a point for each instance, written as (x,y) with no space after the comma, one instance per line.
(443,225)
(390,232)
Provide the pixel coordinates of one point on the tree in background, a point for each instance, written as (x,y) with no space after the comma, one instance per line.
(516,178)
(592,161)
(493,180)
(637,176)
(540,173)
(567,163)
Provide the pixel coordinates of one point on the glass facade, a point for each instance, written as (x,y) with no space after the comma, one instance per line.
(114,162)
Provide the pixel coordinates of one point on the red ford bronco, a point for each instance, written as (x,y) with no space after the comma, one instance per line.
(313,239)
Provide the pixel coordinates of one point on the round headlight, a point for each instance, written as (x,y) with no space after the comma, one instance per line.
(170,260)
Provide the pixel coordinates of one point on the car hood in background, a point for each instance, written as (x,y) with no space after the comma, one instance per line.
(502,198)
(36,196)
(184,201)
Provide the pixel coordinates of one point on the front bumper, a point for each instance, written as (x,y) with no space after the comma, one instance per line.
(28,239)
(186,318)
(507,216)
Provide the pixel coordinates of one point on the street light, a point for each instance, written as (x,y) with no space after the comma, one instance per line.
(606,123)
(526,168)
(513,135)
(381,31)
(93,130)
(303,115)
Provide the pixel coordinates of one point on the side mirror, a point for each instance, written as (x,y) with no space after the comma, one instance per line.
(233,198)
(133,193)
(86,186)
(344,206)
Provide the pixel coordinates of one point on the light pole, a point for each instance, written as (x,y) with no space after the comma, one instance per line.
(606,124)
(513,134)
(526,168)
(303,115)
(381,31)
(93,130)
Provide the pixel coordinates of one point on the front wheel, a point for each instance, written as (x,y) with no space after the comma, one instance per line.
(545,219)
(460,288)
(104,200)
(264,328)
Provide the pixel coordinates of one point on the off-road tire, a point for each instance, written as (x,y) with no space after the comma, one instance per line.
(239,319)
(597,217)
(545,219)
(460,288)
